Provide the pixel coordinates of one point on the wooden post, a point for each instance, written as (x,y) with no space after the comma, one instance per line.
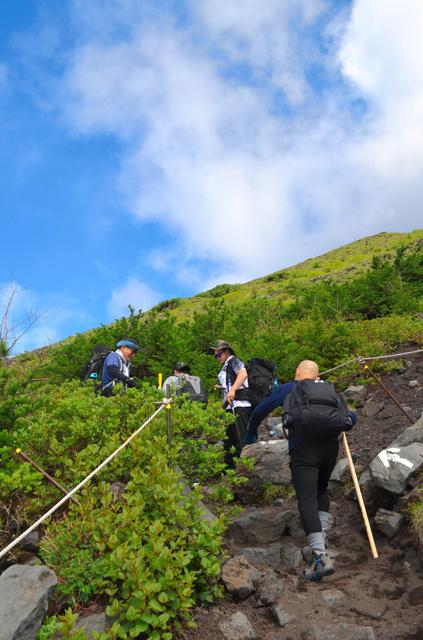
(36,466)
(360,497)
(385,388)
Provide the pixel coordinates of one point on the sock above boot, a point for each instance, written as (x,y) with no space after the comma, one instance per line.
(316,541)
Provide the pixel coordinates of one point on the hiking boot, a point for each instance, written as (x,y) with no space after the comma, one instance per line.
(322,566)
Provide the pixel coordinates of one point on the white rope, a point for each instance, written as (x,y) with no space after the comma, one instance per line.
(344,364)
(362,359)
(393,355)
(78,486)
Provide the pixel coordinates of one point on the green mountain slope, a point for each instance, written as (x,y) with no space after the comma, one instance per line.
(340,264)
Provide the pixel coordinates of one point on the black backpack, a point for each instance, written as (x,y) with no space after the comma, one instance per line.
(193,386)
(314,411)
(261,379)
(94,367)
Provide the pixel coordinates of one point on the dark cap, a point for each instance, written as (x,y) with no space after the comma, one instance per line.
(221,345)
(182,366)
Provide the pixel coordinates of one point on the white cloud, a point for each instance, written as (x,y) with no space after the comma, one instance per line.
(134,293)
(382,49)
(241,130)
(267,37)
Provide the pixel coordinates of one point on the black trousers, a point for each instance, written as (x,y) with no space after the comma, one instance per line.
(235,433)
(311,466)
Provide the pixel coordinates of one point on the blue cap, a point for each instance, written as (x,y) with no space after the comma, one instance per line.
(127,342)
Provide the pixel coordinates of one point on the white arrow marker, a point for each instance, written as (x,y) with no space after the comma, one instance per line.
(391,454)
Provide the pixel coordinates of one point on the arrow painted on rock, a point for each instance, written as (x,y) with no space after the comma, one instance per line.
(391,455)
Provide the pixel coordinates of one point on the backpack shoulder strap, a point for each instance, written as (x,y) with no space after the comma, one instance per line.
(230,373)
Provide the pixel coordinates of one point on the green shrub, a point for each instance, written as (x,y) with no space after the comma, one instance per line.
(151,553)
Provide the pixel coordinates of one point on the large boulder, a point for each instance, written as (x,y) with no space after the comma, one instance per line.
(25,592)
(260,526)
(412,434)
(393,467)
(271,466)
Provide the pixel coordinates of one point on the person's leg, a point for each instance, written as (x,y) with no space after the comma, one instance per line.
(242,415)
(305,462)
(328,456)
(231,441)
(305,473)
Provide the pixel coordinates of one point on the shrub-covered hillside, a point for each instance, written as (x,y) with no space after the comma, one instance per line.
(327,317)
(150,556)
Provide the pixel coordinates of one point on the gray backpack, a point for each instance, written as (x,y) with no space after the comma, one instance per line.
(193,387)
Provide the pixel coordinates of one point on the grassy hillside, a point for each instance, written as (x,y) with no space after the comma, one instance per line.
(341,264)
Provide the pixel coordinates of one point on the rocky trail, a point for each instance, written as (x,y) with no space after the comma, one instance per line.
(366,599)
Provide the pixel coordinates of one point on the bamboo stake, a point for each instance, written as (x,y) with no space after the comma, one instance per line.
(36,466)
(360,497)
(386,390)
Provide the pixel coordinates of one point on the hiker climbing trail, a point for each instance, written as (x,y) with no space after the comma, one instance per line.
(366,598)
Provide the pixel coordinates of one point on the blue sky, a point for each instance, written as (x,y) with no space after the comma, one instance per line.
(152,149)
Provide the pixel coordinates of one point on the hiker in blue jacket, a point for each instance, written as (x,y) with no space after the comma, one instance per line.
(311,464)
(117,366)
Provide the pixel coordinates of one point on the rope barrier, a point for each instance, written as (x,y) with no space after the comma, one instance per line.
(361,359)
(83,482)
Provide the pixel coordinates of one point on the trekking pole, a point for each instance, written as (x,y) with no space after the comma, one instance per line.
(168,409)
(385,388)
(360,497)
(54,482)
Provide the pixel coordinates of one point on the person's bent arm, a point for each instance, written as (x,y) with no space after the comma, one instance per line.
(115,373)
(266,406)
(238,382)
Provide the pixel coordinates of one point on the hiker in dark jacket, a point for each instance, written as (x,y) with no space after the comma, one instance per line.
(311,464)
(233,380)
(117,366)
